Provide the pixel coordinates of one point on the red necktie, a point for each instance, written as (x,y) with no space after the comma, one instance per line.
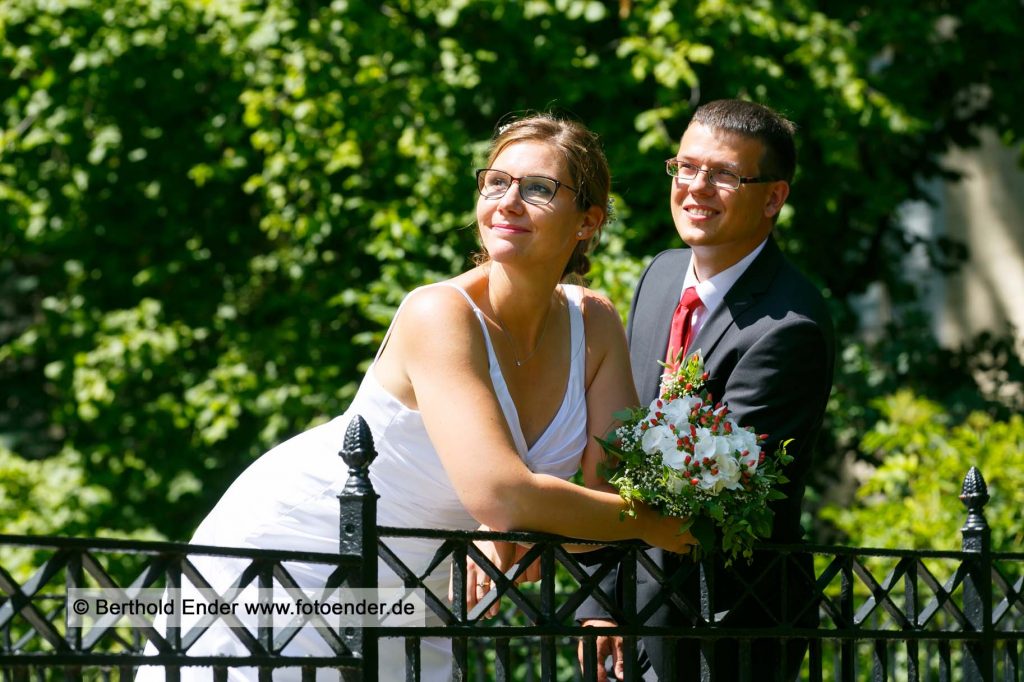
(682,328)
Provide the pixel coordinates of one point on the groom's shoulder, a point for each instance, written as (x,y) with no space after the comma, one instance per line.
(797,289)
(667,262)
(792,303)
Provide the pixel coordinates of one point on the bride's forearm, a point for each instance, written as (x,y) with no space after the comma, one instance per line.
(551,505)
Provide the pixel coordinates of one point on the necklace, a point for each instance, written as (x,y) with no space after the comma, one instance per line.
(512,346)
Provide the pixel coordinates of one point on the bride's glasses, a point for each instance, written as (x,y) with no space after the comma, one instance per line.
(534,189)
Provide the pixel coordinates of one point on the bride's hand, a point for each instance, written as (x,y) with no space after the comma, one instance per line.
(663,531)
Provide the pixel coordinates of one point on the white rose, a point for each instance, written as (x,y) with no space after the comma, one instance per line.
(705,445)
(723,473)
(724,446)
(744,440)
(658,439)
(728,471)
(678,411)
(710,482)
(674,458)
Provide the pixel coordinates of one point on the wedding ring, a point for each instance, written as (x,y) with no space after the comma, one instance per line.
(482,584)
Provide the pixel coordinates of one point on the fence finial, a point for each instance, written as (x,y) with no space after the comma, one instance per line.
(974,495)
(358,452)
(358,532)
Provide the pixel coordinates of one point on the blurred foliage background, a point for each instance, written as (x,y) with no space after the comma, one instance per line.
(209,210)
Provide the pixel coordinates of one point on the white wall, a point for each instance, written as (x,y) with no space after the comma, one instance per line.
(985,211)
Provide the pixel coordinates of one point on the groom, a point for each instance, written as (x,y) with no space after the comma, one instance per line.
(766,337)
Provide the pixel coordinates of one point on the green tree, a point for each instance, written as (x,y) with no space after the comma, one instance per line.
(209,211)
(912,499)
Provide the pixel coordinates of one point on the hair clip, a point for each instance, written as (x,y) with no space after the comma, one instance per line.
(609,211)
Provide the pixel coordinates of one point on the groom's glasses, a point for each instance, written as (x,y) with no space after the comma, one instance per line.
(685,173)
(534,189)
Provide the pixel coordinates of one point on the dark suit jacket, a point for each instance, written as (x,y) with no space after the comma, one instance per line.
(769,351)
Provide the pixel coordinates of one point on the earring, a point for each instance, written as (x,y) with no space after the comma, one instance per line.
(579,233)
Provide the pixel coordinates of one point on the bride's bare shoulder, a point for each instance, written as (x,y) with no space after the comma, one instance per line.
(438,318)
(599,312)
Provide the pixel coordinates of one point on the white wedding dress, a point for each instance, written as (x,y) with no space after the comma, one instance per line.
(287,499)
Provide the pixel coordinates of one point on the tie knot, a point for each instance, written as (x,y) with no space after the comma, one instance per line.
(690,298)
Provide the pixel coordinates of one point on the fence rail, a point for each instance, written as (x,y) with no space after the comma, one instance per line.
(881,614)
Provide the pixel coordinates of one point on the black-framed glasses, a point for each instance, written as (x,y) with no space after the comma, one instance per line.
(533,189)
(719,177)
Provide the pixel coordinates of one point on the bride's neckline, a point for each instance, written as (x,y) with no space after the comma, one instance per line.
(504,395)
(513,415)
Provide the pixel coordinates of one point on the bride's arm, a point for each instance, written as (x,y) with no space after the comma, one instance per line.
(609,382)
(441,350)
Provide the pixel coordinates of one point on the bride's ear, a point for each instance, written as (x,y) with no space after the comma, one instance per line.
(593,217)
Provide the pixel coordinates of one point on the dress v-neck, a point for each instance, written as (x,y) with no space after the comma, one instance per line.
(572,297)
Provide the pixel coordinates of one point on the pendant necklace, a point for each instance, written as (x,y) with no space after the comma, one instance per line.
(512,346)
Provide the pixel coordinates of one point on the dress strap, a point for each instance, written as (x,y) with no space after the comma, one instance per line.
(508,407)
(491,357)
(574,297)
(576,385)
(479,315)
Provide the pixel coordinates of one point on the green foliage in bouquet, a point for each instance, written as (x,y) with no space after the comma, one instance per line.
(686,456)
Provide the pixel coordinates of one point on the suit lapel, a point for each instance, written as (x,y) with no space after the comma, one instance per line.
(653,322)
(744,293)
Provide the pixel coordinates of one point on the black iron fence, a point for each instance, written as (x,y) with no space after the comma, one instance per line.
(880,614)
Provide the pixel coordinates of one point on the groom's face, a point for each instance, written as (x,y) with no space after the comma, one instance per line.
(721,224)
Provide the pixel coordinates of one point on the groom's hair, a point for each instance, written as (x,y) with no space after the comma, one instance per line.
(749,119)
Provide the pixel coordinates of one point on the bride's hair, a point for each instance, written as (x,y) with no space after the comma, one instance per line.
(584,158)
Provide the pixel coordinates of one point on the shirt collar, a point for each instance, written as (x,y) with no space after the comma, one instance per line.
(712,291)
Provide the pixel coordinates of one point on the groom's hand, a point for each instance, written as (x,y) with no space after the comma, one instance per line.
(532,572)
(478,583)
(606,646)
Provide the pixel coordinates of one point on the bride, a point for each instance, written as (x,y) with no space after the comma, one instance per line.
(483,399)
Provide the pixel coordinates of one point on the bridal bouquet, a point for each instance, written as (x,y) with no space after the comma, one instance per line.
(686,456)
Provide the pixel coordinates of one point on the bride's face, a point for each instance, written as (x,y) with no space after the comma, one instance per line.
(514,230)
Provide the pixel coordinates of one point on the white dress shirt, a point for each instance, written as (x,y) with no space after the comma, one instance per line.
(712,291)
